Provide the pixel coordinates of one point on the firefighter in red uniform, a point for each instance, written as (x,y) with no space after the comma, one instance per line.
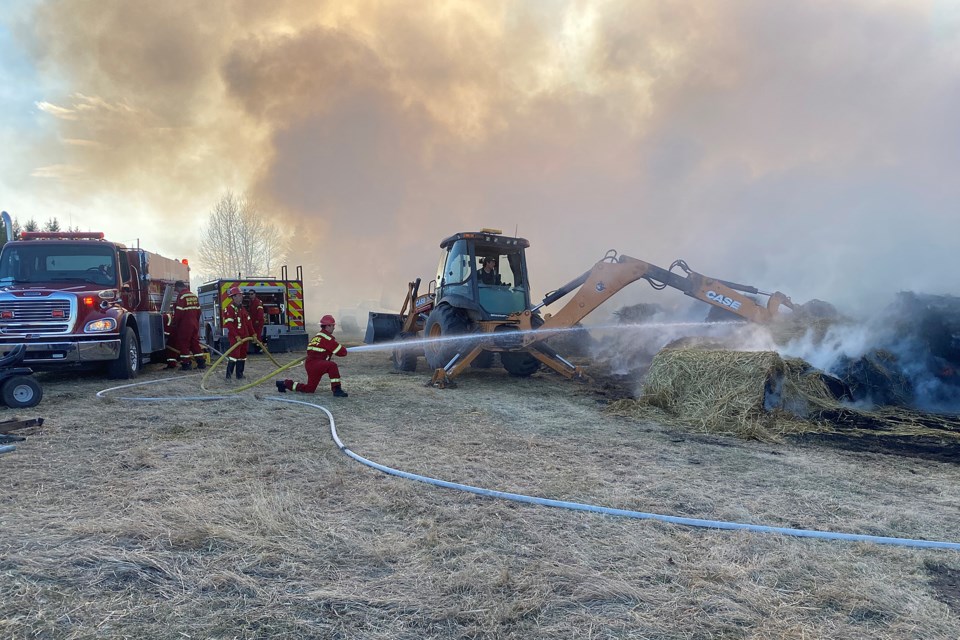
(322,347)
(257,317)
(185,327)
(236,321)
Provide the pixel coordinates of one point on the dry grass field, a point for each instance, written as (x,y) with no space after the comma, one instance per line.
(242,519)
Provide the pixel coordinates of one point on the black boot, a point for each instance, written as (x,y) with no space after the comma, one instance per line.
(185,365)
(230,366)
(281,386)
(201,364)
(340,393)
(241,365)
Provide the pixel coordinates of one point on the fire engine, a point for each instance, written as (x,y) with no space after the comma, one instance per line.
(282,299)
(77,300)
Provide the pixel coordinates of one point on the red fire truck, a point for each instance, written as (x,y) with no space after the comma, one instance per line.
(282,299)
(77,300)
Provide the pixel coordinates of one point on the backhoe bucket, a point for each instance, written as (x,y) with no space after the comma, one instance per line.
(382,327)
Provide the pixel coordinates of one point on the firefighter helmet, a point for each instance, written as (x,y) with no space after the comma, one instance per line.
(232,291)
(327,319)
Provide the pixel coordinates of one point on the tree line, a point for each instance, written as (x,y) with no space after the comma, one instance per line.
(51,224)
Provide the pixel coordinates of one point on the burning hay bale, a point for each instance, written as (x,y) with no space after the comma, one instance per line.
(749,394)
(878,378)
(760,395)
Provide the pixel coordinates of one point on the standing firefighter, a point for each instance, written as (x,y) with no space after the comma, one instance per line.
(321,348)
(185,328)
(236,321)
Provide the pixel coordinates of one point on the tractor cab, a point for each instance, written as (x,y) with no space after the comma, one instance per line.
(483,273)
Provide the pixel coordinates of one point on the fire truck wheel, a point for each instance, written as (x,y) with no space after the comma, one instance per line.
(20,392)
(127,366)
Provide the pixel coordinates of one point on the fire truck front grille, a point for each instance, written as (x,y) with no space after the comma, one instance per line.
(34,316)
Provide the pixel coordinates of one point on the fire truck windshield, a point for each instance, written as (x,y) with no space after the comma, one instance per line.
(59,261)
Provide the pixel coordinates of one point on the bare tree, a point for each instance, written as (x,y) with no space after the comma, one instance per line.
(238,240)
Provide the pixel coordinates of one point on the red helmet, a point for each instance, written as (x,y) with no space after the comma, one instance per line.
(327,319)
(232,291)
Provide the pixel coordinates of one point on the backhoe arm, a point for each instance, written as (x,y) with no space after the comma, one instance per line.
(613,273)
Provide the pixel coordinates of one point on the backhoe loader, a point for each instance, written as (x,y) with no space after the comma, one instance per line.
(469,315)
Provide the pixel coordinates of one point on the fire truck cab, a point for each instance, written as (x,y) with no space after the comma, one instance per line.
(77,300)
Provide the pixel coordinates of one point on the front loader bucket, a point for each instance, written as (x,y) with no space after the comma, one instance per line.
(382,327)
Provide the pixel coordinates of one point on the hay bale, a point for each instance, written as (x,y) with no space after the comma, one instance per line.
(808,392)
(718,391)
(752,394)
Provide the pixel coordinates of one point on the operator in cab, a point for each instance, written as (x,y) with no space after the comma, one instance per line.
(488,272)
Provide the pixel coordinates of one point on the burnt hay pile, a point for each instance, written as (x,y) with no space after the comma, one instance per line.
(763,396)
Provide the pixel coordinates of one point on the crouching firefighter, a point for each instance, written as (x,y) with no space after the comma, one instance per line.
(318,363)
(236,321)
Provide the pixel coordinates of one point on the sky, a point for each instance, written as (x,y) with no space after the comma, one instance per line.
(811,147)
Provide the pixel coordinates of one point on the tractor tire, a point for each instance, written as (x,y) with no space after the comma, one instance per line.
(484,360)
(443,322)
(127,366)
(21,392)
(404,358)
(519,364)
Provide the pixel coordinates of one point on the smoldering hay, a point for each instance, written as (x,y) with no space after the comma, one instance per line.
(804,147)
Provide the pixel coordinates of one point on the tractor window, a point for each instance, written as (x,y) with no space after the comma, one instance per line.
(500,282)
(457,271)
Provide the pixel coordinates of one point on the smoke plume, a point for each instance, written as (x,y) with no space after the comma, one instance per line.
(807,147)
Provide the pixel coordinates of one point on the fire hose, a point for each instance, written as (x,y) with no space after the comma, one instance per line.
(249,385)
(547,502)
